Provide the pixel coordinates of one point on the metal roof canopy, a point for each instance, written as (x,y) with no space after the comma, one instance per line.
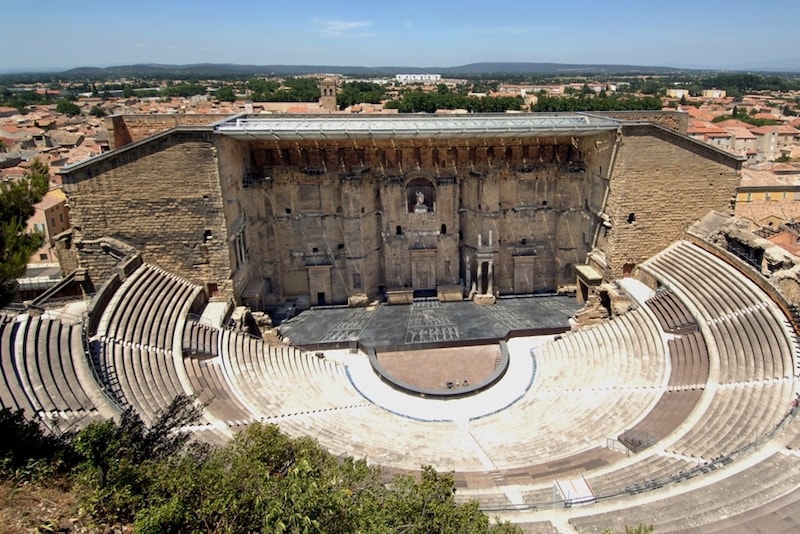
(334,127)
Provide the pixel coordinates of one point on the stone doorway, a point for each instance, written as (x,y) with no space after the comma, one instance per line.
(423,269)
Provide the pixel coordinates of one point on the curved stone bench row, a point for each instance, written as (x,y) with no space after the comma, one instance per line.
(208,381)
(753,351)
(626,479)
(689,361)
(146,380)
(280,380)
(672,314)
(589,385)
(46,372)
(740,492)
(747,327)
(200,338)
(146,308)
(136,338)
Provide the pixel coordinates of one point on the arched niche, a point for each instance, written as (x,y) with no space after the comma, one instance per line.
(420,195)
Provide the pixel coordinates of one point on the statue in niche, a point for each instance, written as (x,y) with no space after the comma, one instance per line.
(420,206)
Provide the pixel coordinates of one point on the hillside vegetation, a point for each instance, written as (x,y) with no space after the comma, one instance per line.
(155,480)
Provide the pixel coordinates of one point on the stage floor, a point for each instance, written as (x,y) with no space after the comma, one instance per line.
(430,322)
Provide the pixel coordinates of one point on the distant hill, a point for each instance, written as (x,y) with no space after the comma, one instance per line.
(472,69)
(230,70)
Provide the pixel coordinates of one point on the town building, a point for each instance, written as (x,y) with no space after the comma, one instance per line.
(418,78)
(50,218)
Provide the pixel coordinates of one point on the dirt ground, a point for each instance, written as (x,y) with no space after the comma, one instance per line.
(436,367)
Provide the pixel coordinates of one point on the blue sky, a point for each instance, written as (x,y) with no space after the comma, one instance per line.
(63,34)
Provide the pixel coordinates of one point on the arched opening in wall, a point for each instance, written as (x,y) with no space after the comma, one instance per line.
(420,195)
(212,289)
(443,229)
(398,230)
(631,218)
(627,270)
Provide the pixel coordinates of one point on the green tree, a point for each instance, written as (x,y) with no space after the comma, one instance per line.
(353,93)
(225,94)
(67,108)
(98,111)
(28,453)
(115,474)
(428,505)
(265,481)
(296,90)
(17,200)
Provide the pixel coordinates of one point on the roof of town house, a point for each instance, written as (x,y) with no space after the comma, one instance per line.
(785,129)
(708,129)
(50,199)
(11,173)
(758,211)
(733,123)
(702,114)
(693,111)
(740,133)
(765,115)
(770,175)
(782,129)
(787,240)
(9,129)
(785,168)
(65,138)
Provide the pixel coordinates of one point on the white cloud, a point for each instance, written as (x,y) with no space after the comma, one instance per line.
(341,28)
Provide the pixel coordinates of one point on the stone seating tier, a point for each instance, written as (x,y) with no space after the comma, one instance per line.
(689,361)
(44,371)
(746,326)
(208,380)
(672,314)
(200,338)
(739,493)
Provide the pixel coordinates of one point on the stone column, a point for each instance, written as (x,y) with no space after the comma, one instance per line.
(489,278)
(468,276)
(479,277)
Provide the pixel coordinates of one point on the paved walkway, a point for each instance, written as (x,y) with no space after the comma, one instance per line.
(635,289)
(512,386)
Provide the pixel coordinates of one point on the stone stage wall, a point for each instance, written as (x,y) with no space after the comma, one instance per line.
(341,221)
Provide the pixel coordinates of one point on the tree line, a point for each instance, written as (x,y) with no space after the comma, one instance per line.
(418,101)
(600,102)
